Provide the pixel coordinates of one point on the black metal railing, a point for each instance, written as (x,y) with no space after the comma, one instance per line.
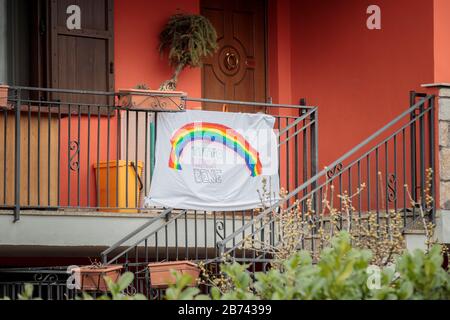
(394,164)
(192,235)
(82,150)
(48,283)
(62,135)
(390,171)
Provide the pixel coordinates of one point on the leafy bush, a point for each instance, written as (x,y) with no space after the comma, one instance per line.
(341,273)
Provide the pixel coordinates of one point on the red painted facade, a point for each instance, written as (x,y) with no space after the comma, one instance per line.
(318,50)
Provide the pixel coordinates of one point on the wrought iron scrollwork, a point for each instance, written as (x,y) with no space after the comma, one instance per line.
(131,290)
(392,189)
(154,293)
(75,155)
(220,229)
(166,103)
(335,170)
(49,278)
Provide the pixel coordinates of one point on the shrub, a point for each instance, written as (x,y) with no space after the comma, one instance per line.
(340,273)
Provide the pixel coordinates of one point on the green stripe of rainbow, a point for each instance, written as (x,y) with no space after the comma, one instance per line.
(216,133)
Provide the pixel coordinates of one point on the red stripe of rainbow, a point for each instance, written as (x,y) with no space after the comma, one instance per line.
(216,133)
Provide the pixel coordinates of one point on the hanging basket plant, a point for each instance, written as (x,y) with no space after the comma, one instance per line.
(186,39)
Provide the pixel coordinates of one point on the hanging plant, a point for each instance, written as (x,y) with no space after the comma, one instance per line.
(187,39)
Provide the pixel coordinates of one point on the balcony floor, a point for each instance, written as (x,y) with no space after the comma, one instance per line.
(87,233)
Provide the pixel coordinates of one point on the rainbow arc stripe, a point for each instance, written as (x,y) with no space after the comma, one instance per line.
(215,133)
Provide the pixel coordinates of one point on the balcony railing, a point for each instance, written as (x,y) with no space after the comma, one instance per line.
(51,141)
(391,173)
(396,164)
(54,139)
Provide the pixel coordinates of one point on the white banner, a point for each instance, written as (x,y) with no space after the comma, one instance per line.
(214,161)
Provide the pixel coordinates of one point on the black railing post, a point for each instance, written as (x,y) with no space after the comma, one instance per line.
(422,155)
(305,149)
(315,154)
(17,159)
(412,98)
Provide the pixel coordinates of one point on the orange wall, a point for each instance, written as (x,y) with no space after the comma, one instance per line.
(279,51)
(442,41)
(137,25)
(359,78)
(98,146)
(318,50)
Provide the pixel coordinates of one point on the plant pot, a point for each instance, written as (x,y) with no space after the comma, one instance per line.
(161,276)
(92,278)
(152,100)
(3,96)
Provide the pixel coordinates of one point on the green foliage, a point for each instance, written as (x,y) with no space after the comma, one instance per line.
(187,39)
(181,291)
(27,293)
(340,273)
(419,276)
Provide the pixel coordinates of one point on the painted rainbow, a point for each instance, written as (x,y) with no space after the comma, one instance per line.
(215,133)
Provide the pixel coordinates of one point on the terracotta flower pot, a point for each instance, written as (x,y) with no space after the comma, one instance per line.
(92,278)
(161,272)
(3,96)
(152,100)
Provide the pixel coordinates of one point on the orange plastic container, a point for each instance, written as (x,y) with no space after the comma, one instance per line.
(116,190)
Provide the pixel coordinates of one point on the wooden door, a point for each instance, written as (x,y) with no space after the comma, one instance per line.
(238,70)
(82,59)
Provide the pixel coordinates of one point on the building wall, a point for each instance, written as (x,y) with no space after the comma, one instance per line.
(321,51)
(318,50)
(137,26)
(441,41)
(359,78)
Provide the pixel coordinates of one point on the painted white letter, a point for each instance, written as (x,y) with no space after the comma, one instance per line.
(74,20)
(374,279)
(374,21)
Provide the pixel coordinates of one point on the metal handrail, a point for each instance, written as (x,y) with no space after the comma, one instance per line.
(116,245)
(146,237)
(221,244)
(297,121)
(369,151)
(306,116)
(248,103)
